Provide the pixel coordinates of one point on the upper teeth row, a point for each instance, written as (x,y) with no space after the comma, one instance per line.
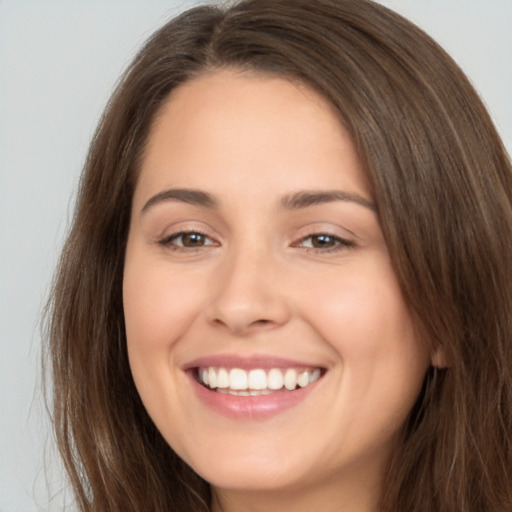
(258,379)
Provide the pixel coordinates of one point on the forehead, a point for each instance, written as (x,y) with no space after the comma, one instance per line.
(228,129)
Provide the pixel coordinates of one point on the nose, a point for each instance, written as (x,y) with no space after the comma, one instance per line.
(248,296)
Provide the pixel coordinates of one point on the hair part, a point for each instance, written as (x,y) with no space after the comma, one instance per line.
(442,183)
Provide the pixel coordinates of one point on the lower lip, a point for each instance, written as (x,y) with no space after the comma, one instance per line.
(250,407)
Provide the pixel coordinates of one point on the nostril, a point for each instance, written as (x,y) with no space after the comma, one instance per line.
(245,313)
(261,322)
(241,328)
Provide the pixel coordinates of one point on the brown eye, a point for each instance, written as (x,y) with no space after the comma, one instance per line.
(192,239)
(187,240)
(323,241)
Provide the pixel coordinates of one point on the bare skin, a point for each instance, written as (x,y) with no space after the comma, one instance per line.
(254,238)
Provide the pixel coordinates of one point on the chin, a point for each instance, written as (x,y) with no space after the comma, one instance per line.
(254,470)
(252,477)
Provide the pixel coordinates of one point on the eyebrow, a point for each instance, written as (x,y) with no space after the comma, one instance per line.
(295,201)
(184,195)
(308,198)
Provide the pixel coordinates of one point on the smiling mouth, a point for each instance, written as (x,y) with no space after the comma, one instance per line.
(256,382)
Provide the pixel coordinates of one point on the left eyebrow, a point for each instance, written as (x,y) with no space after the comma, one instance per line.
(304,199)
(183,195)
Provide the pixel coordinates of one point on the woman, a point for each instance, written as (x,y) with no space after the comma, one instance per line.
(287,284)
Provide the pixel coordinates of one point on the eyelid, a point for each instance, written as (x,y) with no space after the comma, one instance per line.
(167,240)
(341,243)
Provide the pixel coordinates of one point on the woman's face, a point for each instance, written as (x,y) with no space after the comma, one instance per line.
(256,263)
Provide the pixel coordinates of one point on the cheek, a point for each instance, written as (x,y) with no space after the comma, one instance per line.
(158,305)
(361,315)
(359,308)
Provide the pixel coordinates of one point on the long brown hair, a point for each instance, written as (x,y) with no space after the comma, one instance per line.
(443,187)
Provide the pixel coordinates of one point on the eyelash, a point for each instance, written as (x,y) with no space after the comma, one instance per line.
(339,244)
(170,241)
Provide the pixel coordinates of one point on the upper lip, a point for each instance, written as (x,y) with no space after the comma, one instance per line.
(248,362)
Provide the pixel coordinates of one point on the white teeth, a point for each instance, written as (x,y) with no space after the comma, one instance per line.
(236,381)
(258,392)
(257,379)
(314,376)
(250,392)
(290,379)
(303,379)
(212,377)
(222,378)
(275,379)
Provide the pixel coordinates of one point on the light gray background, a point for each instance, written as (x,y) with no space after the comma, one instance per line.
(58,62)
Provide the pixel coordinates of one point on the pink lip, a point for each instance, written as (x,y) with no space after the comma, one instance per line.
(247,363)
(248,407)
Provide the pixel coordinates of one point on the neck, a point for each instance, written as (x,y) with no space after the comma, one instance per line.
(349,495)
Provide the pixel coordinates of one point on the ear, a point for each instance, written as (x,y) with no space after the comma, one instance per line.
(439,359)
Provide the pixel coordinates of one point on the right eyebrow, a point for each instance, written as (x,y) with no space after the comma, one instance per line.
(184,195)
(306,198)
